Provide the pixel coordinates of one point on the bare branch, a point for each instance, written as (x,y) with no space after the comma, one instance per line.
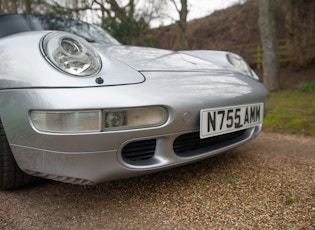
(176,6)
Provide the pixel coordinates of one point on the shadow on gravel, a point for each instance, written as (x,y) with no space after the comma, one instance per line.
(150,183)
(248,186)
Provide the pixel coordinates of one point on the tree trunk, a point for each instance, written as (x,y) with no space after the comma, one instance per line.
(181,42)
(119,11)
(131,9)
(14,8)
(28,6)
(269,45)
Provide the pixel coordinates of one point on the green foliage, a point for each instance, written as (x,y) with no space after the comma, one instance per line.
(289,201)
(291,112)
(149,42)
(307,86)
(231,182)
(128,30)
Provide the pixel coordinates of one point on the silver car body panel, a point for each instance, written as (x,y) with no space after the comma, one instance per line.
(183,83)
(121,65)
(22,65)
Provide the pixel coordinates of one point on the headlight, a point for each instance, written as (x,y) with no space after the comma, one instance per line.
(70,53)
(87,121)
(240,65)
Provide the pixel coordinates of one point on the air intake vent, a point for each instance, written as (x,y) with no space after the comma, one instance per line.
(188,144)
(139,150)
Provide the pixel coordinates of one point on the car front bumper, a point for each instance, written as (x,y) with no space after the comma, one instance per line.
(89,158)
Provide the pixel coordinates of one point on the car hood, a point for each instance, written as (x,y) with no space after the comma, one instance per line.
(157,60)
(22,64)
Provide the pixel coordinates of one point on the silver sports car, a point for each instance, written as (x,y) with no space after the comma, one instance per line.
(78,107)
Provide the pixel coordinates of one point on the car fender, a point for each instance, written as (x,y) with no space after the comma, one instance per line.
(22,65)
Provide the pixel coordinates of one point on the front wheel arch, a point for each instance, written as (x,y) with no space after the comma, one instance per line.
(11,176)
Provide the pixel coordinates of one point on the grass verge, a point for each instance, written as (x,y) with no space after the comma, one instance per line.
(291,112)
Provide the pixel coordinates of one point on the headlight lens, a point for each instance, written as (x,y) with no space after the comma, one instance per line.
(87,121)
(71,54)
(240,65)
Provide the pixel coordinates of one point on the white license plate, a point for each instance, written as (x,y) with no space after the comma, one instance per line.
(223,120)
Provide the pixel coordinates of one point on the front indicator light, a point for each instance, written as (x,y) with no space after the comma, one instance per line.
(88,121)
(117,119)
(67,121)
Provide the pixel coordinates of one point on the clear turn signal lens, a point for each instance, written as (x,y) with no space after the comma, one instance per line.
(97,120)
(67,121)
(134,118)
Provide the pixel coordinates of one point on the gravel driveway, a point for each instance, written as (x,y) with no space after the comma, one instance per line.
(268,183)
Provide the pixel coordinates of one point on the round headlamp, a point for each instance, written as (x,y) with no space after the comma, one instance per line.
(240,65)
(70,54)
